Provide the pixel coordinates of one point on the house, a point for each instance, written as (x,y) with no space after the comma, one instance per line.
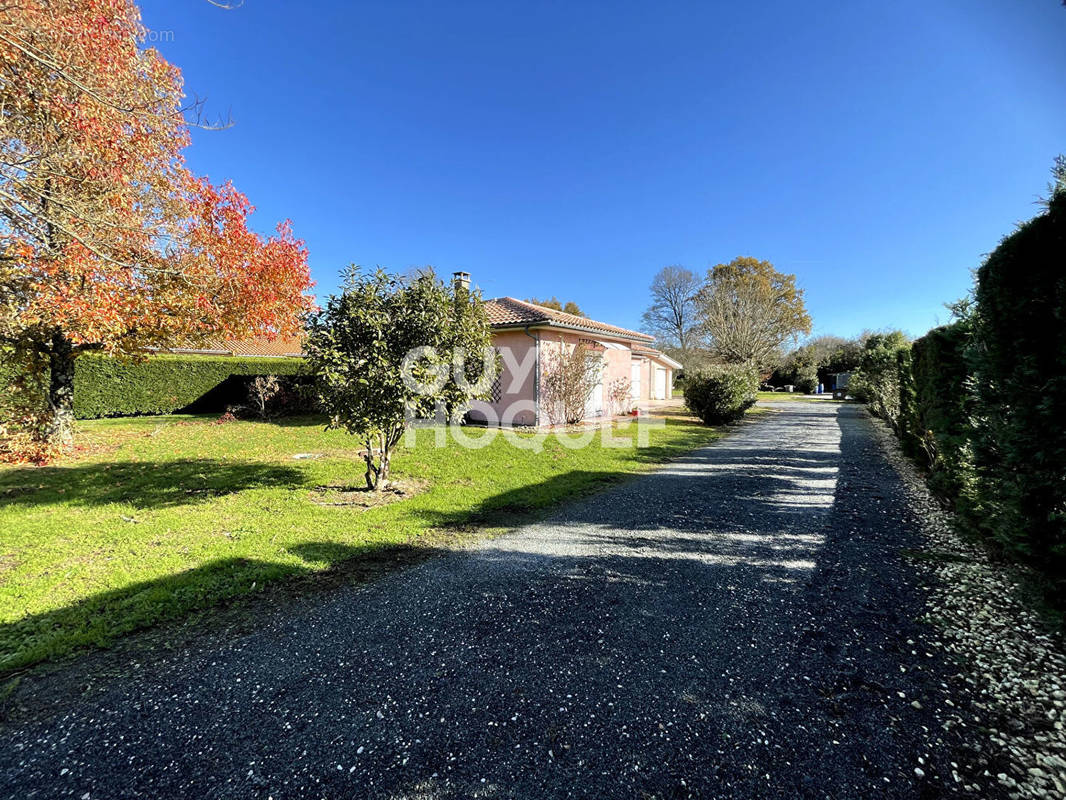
(527,336)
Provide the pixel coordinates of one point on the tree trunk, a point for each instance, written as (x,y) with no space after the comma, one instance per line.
(383,471)
(59,430)
(371,470)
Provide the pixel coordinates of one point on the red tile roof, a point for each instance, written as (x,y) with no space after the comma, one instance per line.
(507,312)
(651,352)
(282,347)
(644,350)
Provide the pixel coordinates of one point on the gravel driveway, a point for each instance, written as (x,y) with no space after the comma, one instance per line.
(740,623)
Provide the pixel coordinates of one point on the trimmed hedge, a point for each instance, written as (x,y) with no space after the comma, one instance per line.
(910,429)
(720,394)
(164,384)
(942,425)
(1020,379)
(983,401)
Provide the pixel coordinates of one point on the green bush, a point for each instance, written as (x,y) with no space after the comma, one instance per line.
(1020,374)
(806,381)
(7,375)
(907,423)
(876,381)
(942,425)
(164,384)
(720,394)
(800,369)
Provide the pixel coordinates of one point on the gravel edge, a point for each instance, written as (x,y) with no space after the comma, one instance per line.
(1013,670)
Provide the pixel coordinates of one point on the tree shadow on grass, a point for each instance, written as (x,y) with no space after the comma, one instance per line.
(102,618)
(141,484)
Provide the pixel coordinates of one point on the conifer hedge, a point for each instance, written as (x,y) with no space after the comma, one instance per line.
(942,422)
(983,401)
(164,384)
(1020,389)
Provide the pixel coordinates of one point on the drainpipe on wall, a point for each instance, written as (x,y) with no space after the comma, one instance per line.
(536,380)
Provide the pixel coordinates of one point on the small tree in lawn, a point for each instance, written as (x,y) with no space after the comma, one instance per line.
(569,378)
(387,349)
(263,389)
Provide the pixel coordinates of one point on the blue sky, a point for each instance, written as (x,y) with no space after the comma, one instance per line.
(875,149)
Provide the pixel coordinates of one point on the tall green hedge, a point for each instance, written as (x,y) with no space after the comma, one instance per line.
(907,424)
(163,384)
(1020,376)
(942,424)
(983,401)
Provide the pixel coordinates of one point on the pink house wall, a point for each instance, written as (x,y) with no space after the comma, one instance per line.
(518,380)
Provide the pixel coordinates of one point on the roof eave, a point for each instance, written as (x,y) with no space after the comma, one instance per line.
(547,323)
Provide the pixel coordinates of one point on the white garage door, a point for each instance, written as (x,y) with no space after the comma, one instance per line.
(635,380)
(660,383)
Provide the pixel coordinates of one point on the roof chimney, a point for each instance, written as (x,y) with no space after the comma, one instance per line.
(461,280)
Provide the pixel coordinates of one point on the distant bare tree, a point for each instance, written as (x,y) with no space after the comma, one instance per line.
(671,315)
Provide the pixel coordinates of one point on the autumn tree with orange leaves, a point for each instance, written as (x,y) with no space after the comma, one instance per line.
(107,242)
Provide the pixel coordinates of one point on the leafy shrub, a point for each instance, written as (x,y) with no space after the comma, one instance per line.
(164,384)
(24,413)
(876,381)
(907,424)
(1020,376)
(720,394)
(806,380)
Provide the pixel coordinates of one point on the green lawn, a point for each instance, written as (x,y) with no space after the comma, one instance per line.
(159,518)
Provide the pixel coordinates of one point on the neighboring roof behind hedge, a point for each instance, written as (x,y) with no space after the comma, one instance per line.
(282,347)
